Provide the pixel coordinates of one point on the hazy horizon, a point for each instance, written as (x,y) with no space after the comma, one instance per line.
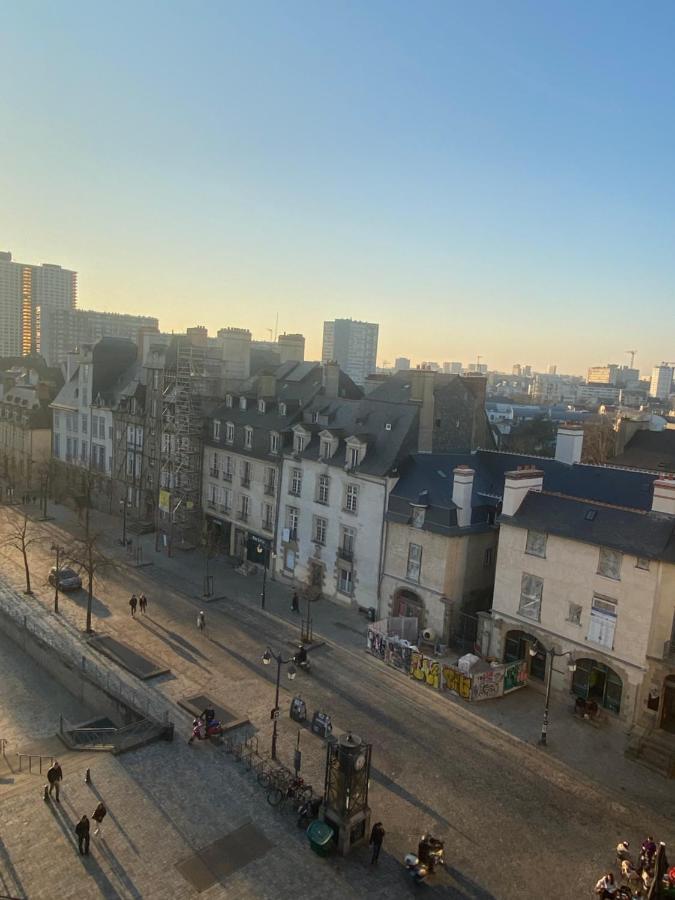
(483,179)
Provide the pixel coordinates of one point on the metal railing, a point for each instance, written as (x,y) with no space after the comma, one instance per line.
(106,737)
(344,553)
(227,476)
(269,489)
(30,757)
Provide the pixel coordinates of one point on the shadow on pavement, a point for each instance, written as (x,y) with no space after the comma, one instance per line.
(113,818)
(172,643)
(14,886)
(79,598)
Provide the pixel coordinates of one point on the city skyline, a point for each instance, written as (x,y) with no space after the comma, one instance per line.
(498,176)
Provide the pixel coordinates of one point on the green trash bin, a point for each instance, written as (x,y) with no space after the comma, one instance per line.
(320,837)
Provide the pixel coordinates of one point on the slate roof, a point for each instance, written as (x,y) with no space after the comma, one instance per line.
(629,531)
(653,450)
(368,419)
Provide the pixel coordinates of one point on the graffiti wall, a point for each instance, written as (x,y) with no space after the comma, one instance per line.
(426,669)
(515,675)
(487,685)
(457,682)
(389,649)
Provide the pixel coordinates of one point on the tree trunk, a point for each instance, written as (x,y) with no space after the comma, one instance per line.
(89,600)
(25,564)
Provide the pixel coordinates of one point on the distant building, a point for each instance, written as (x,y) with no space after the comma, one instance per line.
(353,345)
(64,330)
(602,374)
(452,368)
(27,293)
(552,370)
(517,370)
(402,364)
(662,381)
(547,388)
(478,368)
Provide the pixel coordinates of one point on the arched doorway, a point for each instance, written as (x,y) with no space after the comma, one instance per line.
(408,603)
(594,680)
(517,646)
(668,708)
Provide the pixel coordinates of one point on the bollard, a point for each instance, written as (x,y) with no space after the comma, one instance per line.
(45,796)
(87,776)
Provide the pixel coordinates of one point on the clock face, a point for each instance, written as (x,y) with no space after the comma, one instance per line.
(360,762)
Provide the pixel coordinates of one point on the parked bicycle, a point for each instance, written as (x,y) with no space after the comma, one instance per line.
(295,790)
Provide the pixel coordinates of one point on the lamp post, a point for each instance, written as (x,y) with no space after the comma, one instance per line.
(267,658)
(124,504)
(263,551)
(58,550)
(551,654)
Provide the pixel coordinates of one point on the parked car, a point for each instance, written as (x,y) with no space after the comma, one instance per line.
(69,580)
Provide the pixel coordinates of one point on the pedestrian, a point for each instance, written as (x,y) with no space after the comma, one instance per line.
(143,603)
(54,777)
(82,832)
(622,851)
(98,816)
(133,602)
(295,602)
(376,838)
(606,887)
(201,621)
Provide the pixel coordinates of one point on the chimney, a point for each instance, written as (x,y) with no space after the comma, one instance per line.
(663,500)
(422,391)
(291,348)
(568,444)
(331,379)
(462,488)
(516,486)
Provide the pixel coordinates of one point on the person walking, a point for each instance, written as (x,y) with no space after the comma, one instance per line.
(295,602)
(133,603)
(98,816)
(376,838)
(143,603)
(82,832)
(201,621)
(54,778)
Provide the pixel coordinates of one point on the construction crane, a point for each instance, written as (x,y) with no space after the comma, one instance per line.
(632,356)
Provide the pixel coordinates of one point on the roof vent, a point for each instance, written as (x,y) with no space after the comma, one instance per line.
(387,427)
(590,514)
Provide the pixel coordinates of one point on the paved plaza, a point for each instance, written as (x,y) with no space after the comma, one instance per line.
(497,800)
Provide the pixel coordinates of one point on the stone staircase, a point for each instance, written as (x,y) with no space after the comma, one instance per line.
(112,739)
(655,749)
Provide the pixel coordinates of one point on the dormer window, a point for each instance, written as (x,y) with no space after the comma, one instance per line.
(242,403)
(282,409)
(248,437)
(353,457)
(315,417)
(356,450)
(229,432)
(326,449)
(216,430)
(261,406)
(274,442)
(228,400)
(418,516)
(299,443)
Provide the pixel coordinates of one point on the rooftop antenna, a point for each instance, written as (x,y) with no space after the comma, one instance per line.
(276,327)
(632,356)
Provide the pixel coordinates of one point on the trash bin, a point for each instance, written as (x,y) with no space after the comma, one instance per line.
(320,836)
(298,711)
(321,724)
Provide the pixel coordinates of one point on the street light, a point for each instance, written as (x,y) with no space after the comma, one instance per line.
(58,550)
(267,658)
(125,504)
(262,550)
(551,654)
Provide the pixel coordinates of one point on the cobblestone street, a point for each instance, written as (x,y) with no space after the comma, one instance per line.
(497,800)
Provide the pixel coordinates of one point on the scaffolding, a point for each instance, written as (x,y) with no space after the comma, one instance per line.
(189,392)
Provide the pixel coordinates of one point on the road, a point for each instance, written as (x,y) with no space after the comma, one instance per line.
(511,817)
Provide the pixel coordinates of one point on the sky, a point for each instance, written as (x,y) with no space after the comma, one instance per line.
(483,178)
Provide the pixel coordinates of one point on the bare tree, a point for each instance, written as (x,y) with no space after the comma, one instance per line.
(85,553)
(599,443)
(20,534)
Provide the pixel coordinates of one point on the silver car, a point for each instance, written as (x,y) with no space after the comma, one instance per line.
(69,580)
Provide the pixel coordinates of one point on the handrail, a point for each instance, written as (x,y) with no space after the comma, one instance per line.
(30,757)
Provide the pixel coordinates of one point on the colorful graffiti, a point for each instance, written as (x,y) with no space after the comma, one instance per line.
(424,668)
(515,675)
(456,681)
(487,685)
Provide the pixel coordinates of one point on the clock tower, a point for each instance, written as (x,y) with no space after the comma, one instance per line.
(345,800)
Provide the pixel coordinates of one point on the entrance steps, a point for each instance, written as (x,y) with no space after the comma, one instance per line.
(655,749)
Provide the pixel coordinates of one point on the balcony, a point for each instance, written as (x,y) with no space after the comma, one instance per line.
(211,504)
(227,476)
(269,489)
(268,525)
(245,481)
(214,473)
(294,492)
(242,515)
(225,510)
(345,554)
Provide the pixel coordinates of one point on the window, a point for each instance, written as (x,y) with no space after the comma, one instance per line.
(242,403)
(227,468)
(155,379)
(267,517)
(531,589)
(603,621)
(642,563)
(414,562)
(353,457)
(536,543)
(282,409)
(320,529)
(212,493)
(292,518)
(609,563)
(488,557)
(326,449)
(57,446)
(57,419)
(84,423)
(274,442)
(248,437)
(418,513)
(574,613)
(347,541)
(246,473)
(322,488)
(228,400)
(216,430)
(270,479)
(315,417)
(226,501)
(244,506)
(352,498)
(345,581)
(213,470)
(229,432)
(299,443)
(296,482)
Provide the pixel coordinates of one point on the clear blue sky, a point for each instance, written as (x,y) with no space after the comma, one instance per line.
(491,178)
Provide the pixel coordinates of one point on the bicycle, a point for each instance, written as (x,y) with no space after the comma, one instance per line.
(295,790)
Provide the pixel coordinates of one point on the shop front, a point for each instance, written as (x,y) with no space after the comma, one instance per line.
(594,680)
(517,646)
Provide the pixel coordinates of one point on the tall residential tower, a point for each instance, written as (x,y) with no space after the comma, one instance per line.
(353,345)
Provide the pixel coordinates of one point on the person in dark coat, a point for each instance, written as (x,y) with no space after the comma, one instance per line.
(98,816)
(82,832)
(376,838)
(143,603)
(133,603)
(54,778)
(295,602)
